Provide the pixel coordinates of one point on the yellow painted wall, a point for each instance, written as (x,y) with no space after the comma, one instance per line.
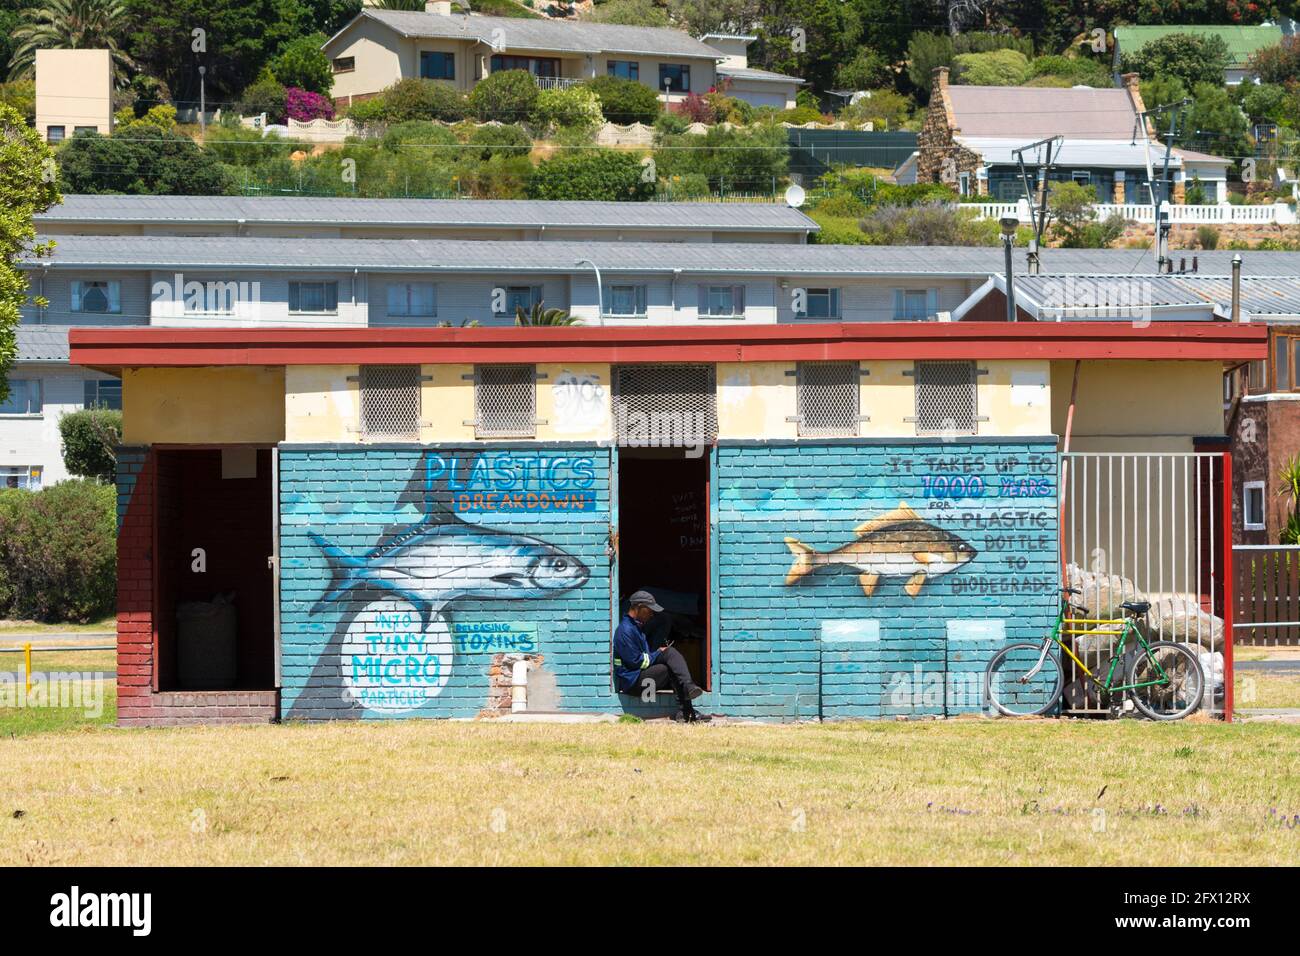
(321,403)
(1139,406)
(202,406)
(755,399)
(574,402)
(447,403)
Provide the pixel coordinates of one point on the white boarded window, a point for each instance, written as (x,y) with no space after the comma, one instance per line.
(829,404)
(1252,506)
(505,401)
(102,297)
(412,300)
(390,401)
(722,301)
(945,397)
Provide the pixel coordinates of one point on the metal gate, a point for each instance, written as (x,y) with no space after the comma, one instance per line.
(1150,527)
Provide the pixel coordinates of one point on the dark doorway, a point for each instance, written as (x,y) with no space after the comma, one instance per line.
(663,546)
(215,614)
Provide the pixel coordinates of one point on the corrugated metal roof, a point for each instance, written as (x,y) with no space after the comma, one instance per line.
(506,213)
(1032,112)
(1120,154)
(1261,296)
(1242,41)
(749,73)
(42,343)
(550,35)
(441,255)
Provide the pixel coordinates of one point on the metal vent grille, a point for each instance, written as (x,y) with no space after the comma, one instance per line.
(665,406)
(390,401)
(828,399)
(505,401)
(945,397)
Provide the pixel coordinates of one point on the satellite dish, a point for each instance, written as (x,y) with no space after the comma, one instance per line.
(795,196)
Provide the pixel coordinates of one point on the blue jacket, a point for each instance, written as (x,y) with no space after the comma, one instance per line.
(632,653)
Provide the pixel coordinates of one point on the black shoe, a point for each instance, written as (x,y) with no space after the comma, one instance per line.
(695,717)
(695,692)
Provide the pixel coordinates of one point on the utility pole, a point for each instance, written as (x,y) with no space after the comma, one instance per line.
(1160,204)
(203,106)
(1052,146)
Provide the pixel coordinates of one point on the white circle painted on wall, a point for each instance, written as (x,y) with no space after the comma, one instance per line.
(391,664)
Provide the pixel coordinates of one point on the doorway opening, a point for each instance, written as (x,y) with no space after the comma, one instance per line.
(663,546)
(215,587)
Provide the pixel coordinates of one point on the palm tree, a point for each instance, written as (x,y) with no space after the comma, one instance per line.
(540,315)
(69,25)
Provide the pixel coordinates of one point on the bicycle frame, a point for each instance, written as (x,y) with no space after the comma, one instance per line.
(1125,625)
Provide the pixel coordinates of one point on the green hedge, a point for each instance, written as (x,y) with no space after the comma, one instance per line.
(598,175)
(58,552)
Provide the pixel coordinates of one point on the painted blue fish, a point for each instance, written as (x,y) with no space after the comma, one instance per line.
(443,558)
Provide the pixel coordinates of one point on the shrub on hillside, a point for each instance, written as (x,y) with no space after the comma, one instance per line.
(625,101)
(597,175)
(412,99)
(507,96)
(58,551)
(305,106)
(505,140)
(90,439)
(301,63)
(264,95)
(694,109)
(996,68)
(572,108)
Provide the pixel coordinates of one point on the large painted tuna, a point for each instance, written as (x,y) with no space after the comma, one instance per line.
(443,558)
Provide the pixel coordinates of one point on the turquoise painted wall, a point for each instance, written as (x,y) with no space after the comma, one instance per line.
(503,550)
(820,645)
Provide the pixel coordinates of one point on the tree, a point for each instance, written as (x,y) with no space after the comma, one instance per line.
(507,96)
(1069,207)
(996,68)
(26,188)
(266,95)
(1190,57)
(633,13)
(141,160)
(301,63)
(625,101)
(540,315)
(925,53)
(90,440)
(606,175)
(1279,63)
(70,25)
(575,108)
(866,71)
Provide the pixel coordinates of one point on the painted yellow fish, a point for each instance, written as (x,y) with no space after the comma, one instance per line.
(898,543)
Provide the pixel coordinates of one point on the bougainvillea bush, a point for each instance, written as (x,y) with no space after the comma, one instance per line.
(305,106)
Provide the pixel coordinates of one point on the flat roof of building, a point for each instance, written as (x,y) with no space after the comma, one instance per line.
(505,213)
(217,253)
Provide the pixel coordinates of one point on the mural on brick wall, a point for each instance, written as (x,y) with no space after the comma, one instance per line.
(394,644)
(868,580)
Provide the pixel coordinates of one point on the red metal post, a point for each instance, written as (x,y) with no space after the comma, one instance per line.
(1229,577)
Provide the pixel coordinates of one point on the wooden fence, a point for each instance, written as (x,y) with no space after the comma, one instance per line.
(1267,594)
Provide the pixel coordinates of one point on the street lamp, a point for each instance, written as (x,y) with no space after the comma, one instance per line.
(1009,226)
(600,291)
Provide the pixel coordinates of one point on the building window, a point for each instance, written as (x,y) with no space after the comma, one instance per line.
(55,134)
(519,297)
(78,130)
(538,66)
(915,305)
(945,398)
(24,397)
(313,297)
(344,64)
(505,401)
(722,301)
(101,298)
(665,406)
(828,396)
(436,65)
(963,184)
(390,401)
(675,76)
(412,299)
(1252,506)
(626,300)
(624,69)
(1081,177)
(212,297)
(821,304)
(1285,361)
(21,476)
(103,393)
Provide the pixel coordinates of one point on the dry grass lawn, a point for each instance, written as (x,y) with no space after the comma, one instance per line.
(950,792)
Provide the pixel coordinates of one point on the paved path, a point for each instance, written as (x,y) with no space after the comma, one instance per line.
(1273,667)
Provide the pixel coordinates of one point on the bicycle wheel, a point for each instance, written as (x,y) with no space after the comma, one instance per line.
(1178,693)
(1017,685)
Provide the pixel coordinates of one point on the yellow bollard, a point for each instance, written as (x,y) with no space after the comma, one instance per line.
(27,659)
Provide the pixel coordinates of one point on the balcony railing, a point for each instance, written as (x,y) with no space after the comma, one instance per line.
(1273,213)
(556,82)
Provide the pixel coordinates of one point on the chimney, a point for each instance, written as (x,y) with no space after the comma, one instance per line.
(939,81)
(1132,87)
(441,8)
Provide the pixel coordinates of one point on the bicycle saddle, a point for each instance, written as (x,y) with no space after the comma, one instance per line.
(1137,607)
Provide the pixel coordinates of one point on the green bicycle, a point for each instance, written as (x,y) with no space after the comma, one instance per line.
(1163,679)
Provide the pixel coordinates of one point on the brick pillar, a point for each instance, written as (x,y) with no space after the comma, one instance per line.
(1180,192)
(136,495)
(1117,190)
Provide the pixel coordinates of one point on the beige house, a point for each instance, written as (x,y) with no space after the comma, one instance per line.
(739,79)
(74,92)
(379,47)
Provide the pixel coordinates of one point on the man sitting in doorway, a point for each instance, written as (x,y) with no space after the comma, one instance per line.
(639,670)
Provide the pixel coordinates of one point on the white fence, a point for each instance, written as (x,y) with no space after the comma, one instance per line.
(1271,214)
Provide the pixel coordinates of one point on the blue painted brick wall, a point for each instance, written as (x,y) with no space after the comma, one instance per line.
(821,646)
(350,495)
